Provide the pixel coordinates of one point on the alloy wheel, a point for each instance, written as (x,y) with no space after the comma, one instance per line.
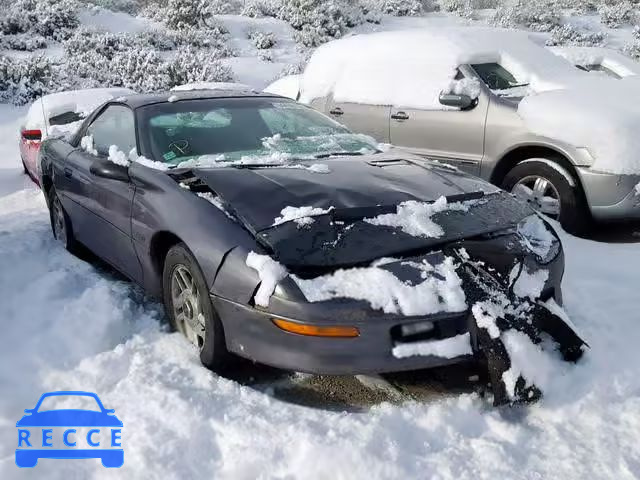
(187,307)
(59,223)
(540,194)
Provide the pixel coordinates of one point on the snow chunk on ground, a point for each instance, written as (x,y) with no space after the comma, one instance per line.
(530,284)
(288,86)
(441,290)
(414,218)
(173,98)
(302,216)
(448,348)
(237,87)
(270,273)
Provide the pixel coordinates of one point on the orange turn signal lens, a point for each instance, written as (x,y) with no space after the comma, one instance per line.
(315,331)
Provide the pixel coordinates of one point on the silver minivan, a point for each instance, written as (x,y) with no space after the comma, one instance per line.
(478,130)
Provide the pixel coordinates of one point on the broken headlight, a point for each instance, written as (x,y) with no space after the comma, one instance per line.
(538,237)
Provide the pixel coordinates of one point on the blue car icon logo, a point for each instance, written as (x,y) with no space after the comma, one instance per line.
(96,427)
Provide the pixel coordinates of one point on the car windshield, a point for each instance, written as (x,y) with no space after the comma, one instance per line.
(599,69)
(69,402)
(500,80)
(237,129)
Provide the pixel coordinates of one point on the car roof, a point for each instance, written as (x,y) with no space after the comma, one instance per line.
(144,99)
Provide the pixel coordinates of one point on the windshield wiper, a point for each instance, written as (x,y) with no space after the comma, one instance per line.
(343,154)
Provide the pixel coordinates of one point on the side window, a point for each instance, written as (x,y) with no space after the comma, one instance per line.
(496,76)
(114,126)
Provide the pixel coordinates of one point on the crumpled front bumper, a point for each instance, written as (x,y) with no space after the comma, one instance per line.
(251,333)
(611,197)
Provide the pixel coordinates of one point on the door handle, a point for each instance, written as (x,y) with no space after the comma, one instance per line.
(400,116)
(336,111)
(68,172)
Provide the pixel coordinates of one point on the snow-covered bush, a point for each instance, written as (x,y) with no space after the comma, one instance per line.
(23,80)
(164,40)
(55,19)
(262,40)
(191,66)
(127,6)
(467,8)
(400,8)
(182,14)
(571,35)
(22,42)
(616,14)
(632,49)
(318,21)
(541,15)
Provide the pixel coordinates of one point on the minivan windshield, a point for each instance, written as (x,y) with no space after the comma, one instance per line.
(206,131)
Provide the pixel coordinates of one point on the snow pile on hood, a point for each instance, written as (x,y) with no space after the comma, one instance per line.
(440,290)
(613,60)
(600,115)
(365,68)
(414,218)
(302,216)
(270,273)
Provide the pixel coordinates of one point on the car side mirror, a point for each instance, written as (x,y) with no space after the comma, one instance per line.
(458,101)
(106,169)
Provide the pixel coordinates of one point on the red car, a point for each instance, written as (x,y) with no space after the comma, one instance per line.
(58,114)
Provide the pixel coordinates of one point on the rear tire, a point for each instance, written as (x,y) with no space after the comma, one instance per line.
(61,223)
(539,183)
(189,307)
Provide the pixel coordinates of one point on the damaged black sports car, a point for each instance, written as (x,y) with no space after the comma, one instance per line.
(274,233)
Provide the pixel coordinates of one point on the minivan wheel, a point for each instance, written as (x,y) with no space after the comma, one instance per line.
(189,307)
(551,192)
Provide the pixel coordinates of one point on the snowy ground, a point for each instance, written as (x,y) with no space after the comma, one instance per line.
(69,324)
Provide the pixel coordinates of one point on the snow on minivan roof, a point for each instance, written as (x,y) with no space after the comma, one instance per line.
(410,68)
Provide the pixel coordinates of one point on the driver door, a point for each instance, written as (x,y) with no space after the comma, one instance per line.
(100,208)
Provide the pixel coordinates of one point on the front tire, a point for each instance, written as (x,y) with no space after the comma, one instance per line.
(551,192)
(189,307)
(61,223)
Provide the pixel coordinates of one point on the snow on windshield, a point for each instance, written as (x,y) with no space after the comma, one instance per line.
(440,290)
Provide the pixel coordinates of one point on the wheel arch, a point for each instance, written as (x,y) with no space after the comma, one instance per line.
(160,244)
(525,152)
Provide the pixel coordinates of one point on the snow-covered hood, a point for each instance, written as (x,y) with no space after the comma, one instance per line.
(353,208)
(599,114)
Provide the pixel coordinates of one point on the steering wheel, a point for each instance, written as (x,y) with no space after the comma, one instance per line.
(180,147)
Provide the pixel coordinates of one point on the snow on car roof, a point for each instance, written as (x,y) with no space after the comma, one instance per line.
(212,86)
(615,61)
(78,101)
(410,68)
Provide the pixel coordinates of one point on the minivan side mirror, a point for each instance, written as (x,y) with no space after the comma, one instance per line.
(106,169)
(458,101)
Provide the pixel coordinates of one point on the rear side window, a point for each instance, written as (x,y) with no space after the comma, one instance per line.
(114,126)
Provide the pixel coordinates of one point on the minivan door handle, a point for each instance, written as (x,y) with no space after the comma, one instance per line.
(400,116)
(337,111)
(68,172)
